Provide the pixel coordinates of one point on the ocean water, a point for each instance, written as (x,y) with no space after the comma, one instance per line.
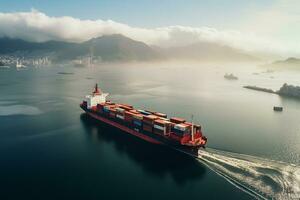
(49,149)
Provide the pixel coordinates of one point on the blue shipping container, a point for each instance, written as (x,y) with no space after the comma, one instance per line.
(178,132)
(136,122)
(144,112)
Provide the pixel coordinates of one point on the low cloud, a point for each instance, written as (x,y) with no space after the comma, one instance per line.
(37,26)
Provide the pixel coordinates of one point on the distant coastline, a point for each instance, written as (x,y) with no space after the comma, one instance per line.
(285,90)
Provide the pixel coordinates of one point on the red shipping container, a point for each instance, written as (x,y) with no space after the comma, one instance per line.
(127,105)
(149,119)
(112,114)
(160,114)
(128,116)
(177,120)
(134,111)
(147,127)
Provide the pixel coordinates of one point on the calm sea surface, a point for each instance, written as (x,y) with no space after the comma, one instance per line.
(49,149)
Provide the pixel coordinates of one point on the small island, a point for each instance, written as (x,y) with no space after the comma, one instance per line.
(289,90)
(289,63)
(285,90)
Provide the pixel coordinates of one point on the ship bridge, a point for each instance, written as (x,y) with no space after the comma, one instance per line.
(96,97)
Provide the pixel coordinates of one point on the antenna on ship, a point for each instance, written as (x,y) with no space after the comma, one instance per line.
(192,128)
(96,90)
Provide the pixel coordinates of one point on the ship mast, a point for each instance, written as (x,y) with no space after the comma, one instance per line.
(96,90)
(192,128)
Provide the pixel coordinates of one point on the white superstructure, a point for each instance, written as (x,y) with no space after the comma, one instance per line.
(95,98)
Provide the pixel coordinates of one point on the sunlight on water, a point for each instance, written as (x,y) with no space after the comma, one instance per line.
(19,110)
(260,177)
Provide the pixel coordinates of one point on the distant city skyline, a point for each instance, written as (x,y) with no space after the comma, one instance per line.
(266,25)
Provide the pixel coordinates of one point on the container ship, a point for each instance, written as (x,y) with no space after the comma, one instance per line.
(153,127)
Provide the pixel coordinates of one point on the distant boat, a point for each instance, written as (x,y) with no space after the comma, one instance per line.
(230,77)
(19,65)
(278,108)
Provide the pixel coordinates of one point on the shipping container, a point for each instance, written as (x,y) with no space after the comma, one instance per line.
(161,122)
(137,122)
(181,127)
(196,126)
(177,132)
(177,120)
(138,116)
(159,132)
(112,114)
(160,114)
(134,111)
(120,116)
(188,123)
(126,105)
(106,109)
(144,112)
(159,127)
(147,127)
(149,119)
(120,110)
(163,126)
(128,117)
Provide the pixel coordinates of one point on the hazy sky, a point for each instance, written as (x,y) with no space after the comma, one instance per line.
(147,13)
(256,25)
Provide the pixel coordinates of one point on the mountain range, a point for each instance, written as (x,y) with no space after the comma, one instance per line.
(288,62)
(117,47)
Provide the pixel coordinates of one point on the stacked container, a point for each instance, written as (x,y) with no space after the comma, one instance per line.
(144,112)
(112,113)
(128,117)
(125,106)
(161,127)
(106,108)
(148,122)
(100,107)
(181,129)
(137,121)
(162,115)
(120,113)
(177,120)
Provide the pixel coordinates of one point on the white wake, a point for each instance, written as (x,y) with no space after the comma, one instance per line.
(260,177)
